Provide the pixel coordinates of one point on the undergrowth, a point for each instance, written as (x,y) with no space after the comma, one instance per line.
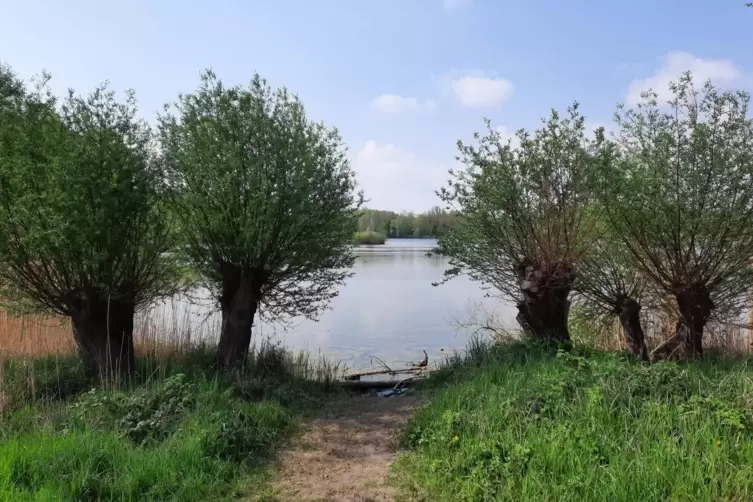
(368,238)
(520,422)
(176,431)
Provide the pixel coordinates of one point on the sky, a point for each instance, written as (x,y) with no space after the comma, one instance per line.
(402,80)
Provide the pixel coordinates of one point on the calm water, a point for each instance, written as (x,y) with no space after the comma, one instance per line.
(388,309)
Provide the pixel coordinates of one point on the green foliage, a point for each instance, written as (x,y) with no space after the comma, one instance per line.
(678,192)
(606,275)
(245,434)
(262,189)
(432,223)
(521,204)
(43,378)
(368,237)
(79,199)
(516,422)
(190,436)
(146,415)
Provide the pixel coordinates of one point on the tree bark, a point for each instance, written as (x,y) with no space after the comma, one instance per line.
(695,305)
(629,313)
(241,293)
(103,331)
(544,311)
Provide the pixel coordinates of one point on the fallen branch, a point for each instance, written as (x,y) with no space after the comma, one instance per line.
(357,376)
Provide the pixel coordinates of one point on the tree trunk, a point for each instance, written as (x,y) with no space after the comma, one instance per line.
(545,307)
(103,331)
(694,304)
(241,293)
(629,314)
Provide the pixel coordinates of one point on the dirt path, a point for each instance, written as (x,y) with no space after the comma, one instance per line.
(346,457)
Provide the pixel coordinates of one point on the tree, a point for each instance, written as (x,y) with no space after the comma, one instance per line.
(609,286)
(680,194)
(267,201)
(386,228)
(421,226)
(432,223)
(523,225)
(80,216)
(404,225)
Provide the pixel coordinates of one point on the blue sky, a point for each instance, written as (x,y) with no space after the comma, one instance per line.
(401,79)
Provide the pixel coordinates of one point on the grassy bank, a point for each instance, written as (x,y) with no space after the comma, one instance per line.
(177,431)
(519,423)
(369,238)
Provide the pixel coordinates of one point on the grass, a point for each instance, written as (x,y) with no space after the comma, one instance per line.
(369,238)
(518,422)
(512,421)
(175,431)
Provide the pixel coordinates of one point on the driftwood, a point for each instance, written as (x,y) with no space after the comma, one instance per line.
(413,372)
(406,371)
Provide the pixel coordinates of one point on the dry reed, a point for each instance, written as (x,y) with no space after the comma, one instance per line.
(728,339)
(160,330)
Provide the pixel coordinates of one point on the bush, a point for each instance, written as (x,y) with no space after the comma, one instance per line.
(142,416)
(368,238)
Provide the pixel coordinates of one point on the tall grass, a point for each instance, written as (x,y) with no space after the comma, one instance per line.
(517,422)
(733,340)
(175,430)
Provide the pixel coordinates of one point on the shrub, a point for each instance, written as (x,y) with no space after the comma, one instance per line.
(368,238)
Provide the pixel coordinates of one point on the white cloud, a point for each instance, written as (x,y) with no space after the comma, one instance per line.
(395,179)
(481,91)
(391,103)
(456,4)
(721,72)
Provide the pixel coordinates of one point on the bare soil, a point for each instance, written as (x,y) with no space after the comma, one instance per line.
(345,457)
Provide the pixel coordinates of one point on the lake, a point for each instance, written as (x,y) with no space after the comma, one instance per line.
(388,309)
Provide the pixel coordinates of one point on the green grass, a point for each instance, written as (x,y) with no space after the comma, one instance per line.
(519,423)
(368,238)
(176,432)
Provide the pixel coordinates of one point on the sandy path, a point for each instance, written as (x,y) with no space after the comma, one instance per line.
(345,457)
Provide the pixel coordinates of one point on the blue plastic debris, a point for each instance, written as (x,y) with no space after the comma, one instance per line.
(391,392)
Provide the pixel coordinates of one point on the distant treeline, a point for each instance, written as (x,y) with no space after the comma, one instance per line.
(432,223)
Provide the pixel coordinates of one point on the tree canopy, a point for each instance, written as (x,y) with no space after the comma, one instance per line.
(81,223)
(679,192)
(432,223)
(266,200)
(525,223)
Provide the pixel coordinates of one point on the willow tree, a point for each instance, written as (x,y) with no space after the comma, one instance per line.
(267,203)
(523,224)
(610,287)
(681,197)
(80,221)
